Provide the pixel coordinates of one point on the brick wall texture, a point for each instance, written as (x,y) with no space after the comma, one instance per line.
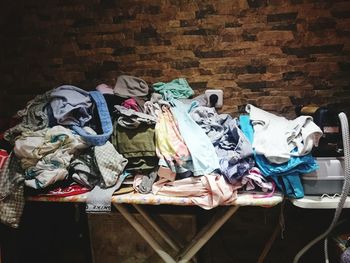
(274,54)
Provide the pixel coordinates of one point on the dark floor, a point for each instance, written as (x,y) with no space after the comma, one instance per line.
(49,233)
(59,233)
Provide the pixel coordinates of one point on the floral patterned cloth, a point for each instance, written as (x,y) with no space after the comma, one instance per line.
(170,147)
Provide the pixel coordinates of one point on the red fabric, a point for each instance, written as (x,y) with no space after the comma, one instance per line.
(3,157)
(74,189)
(131,104)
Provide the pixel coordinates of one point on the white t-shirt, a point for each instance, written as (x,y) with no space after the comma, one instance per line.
(279,138)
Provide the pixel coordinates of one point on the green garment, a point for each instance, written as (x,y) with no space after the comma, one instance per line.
(178,88)
(136,145)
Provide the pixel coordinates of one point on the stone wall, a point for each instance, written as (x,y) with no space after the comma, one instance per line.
(273,53)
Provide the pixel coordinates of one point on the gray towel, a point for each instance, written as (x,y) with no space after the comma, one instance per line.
(130,86)
(145,186)
(100,200)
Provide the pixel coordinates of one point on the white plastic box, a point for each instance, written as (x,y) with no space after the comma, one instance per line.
(328,179)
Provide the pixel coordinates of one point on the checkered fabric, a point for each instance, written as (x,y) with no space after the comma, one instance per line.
(110,163)
(11,192)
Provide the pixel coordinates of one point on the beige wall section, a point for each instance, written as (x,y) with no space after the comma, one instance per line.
(274,54)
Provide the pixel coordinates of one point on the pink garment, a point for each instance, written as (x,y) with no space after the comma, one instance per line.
(137,181)
(105,89)
(207,191)
(255,178)
(131,104)
(3,157)
(270,194)
(166,173)
(170,146)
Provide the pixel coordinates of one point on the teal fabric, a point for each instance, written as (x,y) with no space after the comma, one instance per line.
(246,127)
(204,157)
(178,88)
(286,175)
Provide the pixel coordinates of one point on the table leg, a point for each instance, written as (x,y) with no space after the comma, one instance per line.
(206,233)
(196,243)
(145,234)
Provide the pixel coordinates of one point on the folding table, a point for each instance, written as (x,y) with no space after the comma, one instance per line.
(184,252)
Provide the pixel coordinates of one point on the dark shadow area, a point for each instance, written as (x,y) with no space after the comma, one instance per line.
(50,233)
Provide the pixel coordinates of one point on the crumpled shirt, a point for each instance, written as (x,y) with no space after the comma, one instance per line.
(34,117)
(46,154)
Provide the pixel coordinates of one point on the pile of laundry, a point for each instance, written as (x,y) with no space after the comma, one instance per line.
(156,139)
